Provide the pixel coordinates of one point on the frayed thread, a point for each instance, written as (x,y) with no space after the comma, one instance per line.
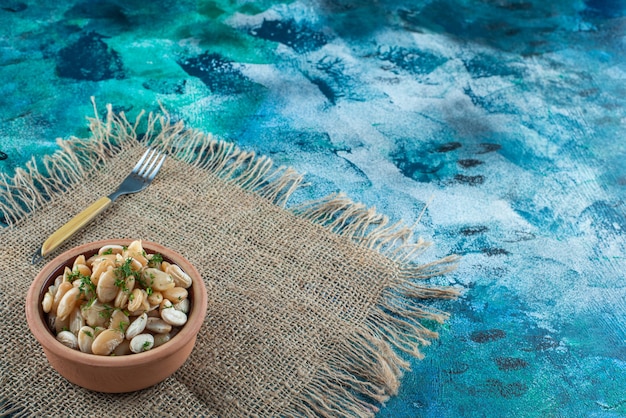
(30,188)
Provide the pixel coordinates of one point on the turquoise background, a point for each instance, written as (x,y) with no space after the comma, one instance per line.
(505,117)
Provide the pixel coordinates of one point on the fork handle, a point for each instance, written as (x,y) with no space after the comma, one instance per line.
(74,225)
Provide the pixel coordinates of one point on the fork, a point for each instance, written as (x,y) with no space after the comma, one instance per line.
(139,178)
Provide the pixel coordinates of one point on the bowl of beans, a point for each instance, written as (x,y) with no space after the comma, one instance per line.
(117,315)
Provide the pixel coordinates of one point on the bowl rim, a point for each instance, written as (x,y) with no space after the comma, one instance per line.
(35,315)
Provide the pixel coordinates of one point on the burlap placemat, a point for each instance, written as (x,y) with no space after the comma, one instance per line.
(310,308)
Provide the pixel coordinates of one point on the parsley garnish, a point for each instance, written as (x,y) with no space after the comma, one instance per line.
(122,326)
(123,272)
(107,312)
(156,260)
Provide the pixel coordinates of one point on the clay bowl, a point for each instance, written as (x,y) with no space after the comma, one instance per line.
(125,373)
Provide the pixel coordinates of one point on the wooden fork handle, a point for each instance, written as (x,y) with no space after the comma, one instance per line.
(74,225)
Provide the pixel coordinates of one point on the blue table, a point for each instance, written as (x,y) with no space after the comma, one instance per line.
(502,121)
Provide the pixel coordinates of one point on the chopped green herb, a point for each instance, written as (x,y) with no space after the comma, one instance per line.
(107,251)
(146,345)
(74,275)
(88,333)
(156,260)
(107,312)
(123,272)
(123,325)
(87,288)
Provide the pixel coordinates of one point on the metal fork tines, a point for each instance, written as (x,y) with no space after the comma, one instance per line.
(142,174)
(139,178)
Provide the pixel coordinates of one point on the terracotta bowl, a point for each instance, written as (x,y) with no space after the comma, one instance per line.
(109,373)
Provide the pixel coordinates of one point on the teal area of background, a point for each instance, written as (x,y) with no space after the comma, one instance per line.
(505,117)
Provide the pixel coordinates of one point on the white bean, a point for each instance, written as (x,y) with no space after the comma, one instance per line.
(157,279)
(158,325)
(160,339)
(106,341)
(76,320)
(175,294)
(85,339)
(106,289)
(181,279)
(67,339)
(183,306)
(137,326)
(111,249)
(141,343)
(68,302)
(174,317)
(46,304)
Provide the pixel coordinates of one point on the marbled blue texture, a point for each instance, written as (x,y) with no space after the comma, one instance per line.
(506,117)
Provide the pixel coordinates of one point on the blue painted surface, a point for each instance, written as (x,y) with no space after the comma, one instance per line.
(510,114)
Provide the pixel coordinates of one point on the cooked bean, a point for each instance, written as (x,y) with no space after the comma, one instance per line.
(66,274)
(60,324)
(157,279)
(135,301)
(97,331)
(137,326)
(155,298)
(79,260)
(175,294)
(154,313)
(106,341)
(96,314)
(181,279)
(135,250)
(61,290)
(174,317)
(82,269)
(76,320)
(183,306)
(58,281)
(122,349)
(164,265)
(122,297)
(158,325)
(46,303)
(141,343)
(67,339)
(68,302)
(166,304)
(101,257)
(119,321)
(160,339)
(111,249)
(99,268)
(106,289)
(85,339)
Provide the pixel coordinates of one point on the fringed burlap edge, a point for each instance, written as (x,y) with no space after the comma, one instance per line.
(366,368)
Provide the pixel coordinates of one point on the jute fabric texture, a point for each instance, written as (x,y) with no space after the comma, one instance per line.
(311,308)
